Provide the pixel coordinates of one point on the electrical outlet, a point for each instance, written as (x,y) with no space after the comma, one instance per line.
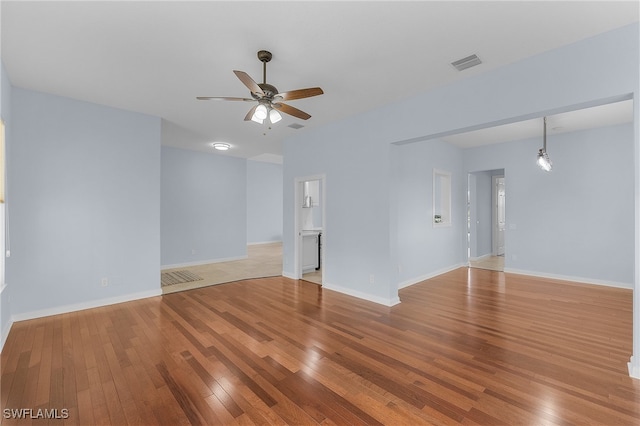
(372,279)
(193,251)
(104,282)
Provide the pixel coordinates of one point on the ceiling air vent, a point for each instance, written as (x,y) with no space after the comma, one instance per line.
(468,62)
(295,126)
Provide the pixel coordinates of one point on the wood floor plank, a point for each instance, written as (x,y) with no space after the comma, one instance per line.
(470,347)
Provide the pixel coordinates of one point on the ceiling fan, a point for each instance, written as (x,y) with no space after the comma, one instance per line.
(269,100)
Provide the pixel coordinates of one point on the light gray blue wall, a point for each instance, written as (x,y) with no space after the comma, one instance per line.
(264,202)
(576,221)
(355,158)
(5,113)
(203,207)
(355,153)
(423,249)
(84,186)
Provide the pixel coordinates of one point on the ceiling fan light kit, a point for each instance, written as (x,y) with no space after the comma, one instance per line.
(274,116)
(261,112)
(269,99)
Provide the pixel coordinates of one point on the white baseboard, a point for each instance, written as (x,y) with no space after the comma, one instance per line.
(264,242)
(202,262)
(361,295)
(351,292)
(582,280)
(430,275)
(634,367)
(289,275)
(85,305)
(5,333)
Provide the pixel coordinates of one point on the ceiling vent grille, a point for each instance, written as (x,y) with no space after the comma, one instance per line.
(468,62)
(295,126)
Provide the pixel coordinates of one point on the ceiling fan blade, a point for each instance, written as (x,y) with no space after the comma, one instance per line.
(248,81)
(250,113)
(221,98)
(299,94)
(288,109)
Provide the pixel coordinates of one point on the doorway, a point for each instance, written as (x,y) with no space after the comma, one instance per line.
(497,215)
(310,213)
(486,219)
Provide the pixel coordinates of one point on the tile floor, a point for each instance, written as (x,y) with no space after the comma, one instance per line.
(494,263)
(263,260)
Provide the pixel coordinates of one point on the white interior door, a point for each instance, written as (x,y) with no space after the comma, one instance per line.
(499,207)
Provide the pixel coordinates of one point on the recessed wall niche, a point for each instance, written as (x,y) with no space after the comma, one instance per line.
(441,198)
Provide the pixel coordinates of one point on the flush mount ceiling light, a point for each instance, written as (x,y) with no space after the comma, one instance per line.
(221,146)
(543,158)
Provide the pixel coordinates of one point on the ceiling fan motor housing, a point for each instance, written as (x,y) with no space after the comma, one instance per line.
(269,91)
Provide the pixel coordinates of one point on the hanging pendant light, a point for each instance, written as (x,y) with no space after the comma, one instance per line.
(543,158)
(543,161)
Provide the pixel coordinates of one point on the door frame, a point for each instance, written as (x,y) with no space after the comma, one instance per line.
(298,184)
(494,212)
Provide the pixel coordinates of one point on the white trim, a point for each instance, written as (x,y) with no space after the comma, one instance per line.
(430,275)
(634,367)
(290,275)
(85,305)
(5,333)
(581,280)
(264,242)
(202,262)
(297,220)
(2,287)
(449,222)
(494,214)
(361,295)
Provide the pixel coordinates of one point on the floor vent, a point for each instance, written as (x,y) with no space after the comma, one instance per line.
(468,62)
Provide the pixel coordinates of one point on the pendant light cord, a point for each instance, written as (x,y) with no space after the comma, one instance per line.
(544,139)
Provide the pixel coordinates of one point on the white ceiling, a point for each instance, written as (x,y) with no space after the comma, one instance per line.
(155,57)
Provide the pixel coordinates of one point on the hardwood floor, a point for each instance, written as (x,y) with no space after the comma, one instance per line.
(468,347)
